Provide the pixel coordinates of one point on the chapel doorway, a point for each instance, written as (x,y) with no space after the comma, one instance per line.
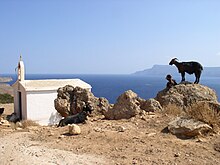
(20,105)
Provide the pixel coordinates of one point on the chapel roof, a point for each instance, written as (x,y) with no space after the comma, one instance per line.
(52,84)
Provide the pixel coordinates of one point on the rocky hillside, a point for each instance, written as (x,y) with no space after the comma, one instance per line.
(182,96)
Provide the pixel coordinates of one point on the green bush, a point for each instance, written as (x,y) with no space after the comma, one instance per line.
(6,98)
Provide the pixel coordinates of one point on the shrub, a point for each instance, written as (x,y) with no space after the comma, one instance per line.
(205,112)
(172,109)
(6,98)
(28,123)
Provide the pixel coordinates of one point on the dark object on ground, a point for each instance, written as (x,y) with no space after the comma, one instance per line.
(14,118)
(1,111)
(188,67)
(78,118)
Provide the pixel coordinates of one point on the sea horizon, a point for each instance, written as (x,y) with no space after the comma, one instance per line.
(111,86)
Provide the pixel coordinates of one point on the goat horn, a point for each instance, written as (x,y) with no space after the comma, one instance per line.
(175,59)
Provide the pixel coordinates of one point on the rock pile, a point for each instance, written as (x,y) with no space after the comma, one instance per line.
(71,100)
(129,105)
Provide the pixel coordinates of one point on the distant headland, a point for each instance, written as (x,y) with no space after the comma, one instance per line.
(5,79)
(158,70)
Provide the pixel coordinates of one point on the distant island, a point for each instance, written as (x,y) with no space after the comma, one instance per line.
(160,70)
(5,79)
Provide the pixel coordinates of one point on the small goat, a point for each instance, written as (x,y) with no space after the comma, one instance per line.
(13,118)
(75,119)
(188,67)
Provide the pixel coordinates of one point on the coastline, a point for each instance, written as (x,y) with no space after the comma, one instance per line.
(5,87)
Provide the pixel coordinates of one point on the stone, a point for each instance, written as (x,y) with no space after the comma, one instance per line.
(127,106)
(151,105)
(188,127)
(74,129)
(62,106)
(121,129)
(5,123)
(151,134)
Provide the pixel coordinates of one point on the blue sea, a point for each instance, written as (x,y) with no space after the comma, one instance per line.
(112,86)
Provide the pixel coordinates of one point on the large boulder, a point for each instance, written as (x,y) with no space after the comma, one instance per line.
(127,106)
(70,100)
(184,95)
(184,127)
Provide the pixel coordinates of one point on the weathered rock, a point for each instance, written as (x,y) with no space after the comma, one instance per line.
(71,100)
(151,105)
(188,127)
(103,105)
(186,94)
(120,129)
(62,106)
(74,129)
(5,123)
(127,106)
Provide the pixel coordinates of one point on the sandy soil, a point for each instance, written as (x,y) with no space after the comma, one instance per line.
(141,141)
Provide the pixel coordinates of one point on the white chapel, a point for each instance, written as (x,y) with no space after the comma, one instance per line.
(34,99)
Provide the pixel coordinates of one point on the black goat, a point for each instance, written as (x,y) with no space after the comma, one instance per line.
(188,67)
(13,118)
(75,119)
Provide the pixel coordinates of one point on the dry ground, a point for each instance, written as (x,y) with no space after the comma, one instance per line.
(143,141)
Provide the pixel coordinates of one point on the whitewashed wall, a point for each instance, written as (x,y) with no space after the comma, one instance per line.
(40,107)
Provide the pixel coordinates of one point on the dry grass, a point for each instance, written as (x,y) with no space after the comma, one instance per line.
(202,111)
(28,123)
(174,110)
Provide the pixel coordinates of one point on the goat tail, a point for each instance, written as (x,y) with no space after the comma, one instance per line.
(201,67)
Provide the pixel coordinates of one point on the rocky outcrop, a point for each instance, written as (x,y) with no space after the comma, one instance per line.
(71,100)
(129,105)
(188,127)
(184,95)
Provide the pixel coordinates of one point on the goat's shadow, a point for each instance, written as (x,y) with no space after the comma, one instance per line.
(165,130)
(68,134)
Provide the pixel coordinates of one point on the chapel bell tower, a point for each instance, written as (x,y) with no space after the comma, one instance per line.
(21,72)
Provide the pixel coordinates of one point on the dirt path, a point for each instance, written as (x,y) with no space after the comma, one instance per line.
(17,148)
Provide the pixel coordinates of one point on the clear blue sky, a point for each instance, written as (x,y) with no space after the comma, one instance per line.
(107,36)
